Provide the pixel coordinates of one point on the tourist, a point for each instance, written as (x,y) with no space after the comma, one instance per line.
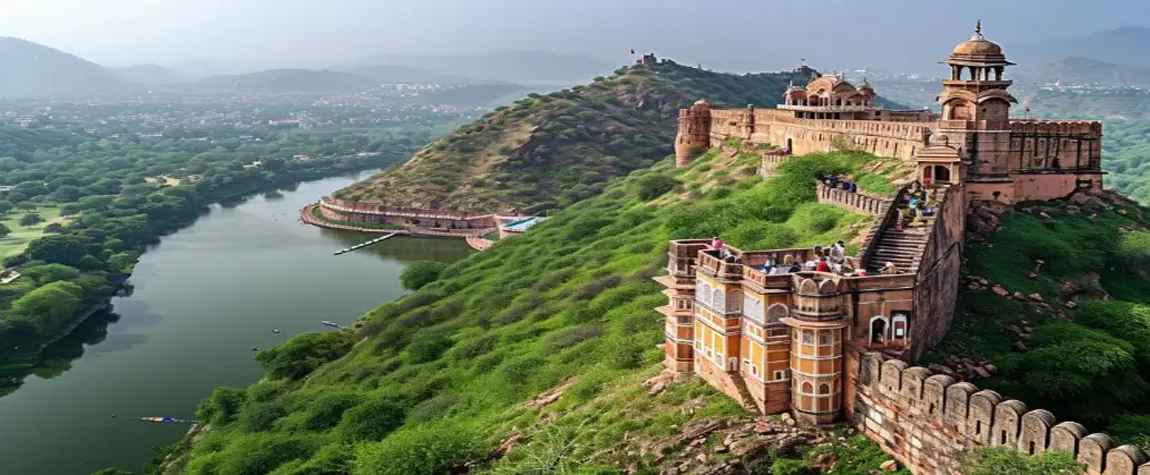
(822,266)
(775,271)
(811,264)
(859,272)
(838,253)
(889,268)
(794,268)
(716,243)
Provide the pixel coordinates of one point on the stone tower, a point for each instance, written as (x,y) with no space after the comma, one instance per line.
(976,107)
(694,133)
(817,325)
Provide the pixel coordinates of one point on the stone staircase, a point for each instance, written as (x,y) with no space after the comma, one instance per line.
(748,401)
(904,248)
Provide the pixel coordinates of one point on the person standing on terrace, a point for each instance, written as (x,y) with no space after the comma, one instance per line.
(716,243)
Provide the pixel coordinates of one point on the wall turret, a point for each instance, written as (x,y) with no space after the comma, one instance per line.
(694,135)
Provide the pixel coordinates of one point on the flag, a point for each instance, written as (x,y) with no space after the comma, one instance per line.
(632,50)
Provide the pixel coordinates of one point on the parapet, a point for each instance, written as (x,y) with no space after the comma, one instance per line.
(1056,127)
(958,414)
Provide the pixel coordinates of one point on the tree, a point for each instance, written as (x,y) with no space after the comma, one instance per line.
(4,230)
(420,450)
(48,273)
(1007,461)
(421,273)
(303,354)
(222,407)
(31,219)
(51,305)
(6,206)
(59,248)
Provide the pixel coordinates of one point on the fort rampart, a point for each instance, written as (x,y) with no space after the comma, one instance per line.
(940,266)
(854,202)
(930,421)
(371,212)
(885,138)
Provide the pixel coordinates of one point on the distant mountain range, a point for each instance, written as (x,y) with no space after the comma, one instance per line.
(1078,70)
(29,69)
(148,74)
(527,66)
(290,80)
(1127,45)
(390,73)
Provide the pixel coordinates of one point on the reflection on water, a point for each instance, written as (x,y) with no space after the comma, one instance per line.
(203,297)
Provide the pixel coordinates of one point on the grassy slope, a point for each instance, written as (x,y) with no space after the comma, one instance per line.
(455,361)
(546,151)
(1090,364)
(18,240)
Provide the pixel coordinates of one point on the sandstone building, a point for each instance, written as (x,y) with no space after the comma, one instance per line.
(828,347)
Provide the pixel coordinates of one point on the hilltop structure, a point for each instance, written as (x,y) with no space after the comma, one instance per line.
(974,141)
(829,347)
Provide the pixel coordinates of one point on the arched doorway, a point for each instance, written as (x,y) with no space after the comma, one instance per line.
(941,174)
(790,145)
(878,330)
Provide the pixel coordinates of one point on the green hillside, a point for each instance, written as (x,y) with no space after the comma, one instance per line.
(548,151)
(1075,339)
(1126,155)
(437,379)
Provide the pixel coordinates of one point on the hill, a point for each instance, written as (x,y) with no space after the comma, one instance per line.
(513,66)
(148,74)
(437,379)
(1078,70)
(1072,332)
(290,80)
(30,70)
(548,151)
(1125,45)
(392,74)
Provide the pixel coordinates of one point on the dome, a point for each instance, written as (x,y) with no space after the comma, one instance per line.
(701,104)
(865,86)
(977,45)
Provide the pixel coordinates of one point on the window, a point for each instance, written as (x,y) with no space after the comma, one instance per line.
(778,376)
(754,370)
(808,337)
(824,338)
(899,325)
(824,388)
(807,388)
(717,301)
(698,345)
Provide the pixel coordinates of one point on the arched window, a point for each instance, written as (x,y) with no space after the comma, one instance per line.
(752,307)
(807,388)
(941,174)
(718,300)
(777,312)
(878,329)
(824,388)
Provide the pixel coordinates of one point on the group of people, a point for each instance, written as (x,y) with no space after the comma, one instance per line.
(920,204)
(836,182)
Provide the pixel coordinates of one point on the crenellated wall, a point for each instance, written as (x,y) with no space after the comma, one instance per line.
(939,271)
(854,202)
(929,422)
(373,212)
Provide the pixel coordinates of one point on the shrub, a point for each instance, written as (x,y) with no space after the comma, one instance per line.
(371,420)
(327,410)
(428,348)
(653,185)
(222,406)
(421,273)
(302,354)
(421,450)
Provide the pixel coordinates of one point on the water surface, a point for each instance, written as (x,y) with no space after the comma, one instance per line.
(204,297)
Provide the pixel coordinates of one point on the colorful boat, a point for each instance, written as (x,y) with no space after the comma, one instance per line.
(160,419)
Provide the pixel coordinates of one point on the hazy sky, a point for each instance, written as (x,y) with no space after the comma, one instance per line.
(716,32)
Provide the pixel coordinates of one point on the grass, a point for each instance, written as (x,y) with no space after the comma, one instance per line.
(572,300)
(1090,364)
(18,240)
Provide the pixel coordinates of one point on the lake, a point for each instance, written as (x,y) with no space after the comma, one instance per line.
(204,297)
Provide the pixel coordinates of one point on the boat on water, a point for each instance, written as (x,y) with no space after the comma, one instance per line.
(162,420)
(331,324)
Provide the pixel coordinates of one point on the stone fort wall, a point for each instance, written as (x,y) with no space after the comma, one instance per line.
(930,421)
(889,138)
(936,296)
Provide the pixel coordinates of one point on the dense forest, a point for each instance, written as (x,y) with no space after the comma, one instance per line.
(1126,155)
(82,210)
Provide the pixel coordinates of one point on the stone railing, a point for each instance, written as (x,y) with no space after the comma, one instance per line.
(930,422)
(854,202)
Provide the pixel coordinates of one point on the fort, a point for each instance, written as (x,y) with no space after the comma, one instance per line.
(832,347)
